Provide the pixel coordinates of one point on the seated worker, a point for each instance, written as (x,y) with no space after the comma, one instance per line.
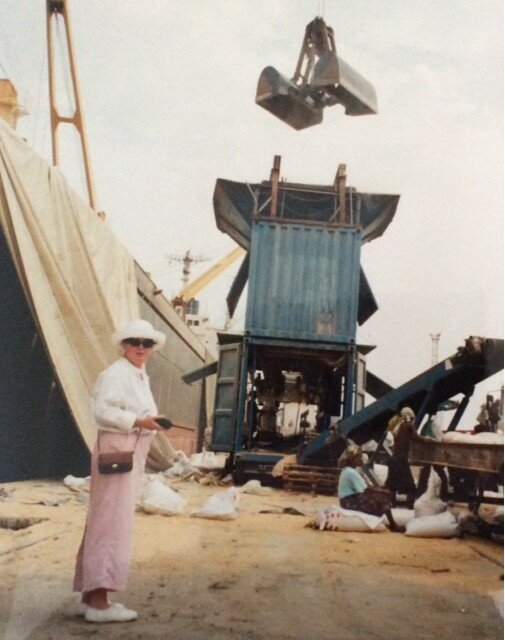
(400,478)
(355,494)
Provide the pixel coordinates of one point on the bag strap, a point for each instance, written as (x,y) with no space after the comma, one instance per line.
(136,441)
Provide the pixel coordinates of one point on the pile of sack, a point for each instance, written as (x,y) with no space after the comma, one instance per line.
(157,497)
(430,517)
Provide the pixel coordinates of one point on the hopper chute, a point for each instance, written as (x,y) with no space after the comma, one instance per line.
(237,204)
(321,79)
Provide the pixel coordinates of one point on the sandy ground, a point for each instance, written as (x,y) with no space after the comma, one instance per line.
(259,576)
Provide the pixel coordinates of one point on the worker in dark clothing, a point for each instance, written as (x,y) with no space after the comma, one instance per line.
(400,479)
(429,431)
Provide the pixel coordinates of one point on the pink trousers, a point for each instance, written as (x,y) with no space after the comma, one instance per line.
(103,560)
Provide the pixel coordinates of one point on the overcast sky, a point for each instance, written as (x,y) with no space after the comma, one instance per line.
(168,93)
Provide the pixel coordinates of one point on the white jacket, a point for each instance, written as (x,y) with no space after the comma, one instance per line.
(121,395)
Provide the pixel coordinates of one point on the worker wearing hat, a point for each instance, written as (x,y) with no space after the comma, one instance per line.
(356,494)
(400,478)
(125,414)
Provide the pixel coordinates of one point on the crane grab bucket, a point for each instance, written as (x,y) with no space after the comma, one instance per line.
(285,100)
(343,85)
(321,79)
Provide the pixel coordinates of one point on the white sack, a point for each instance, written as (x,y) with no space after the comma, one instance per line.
(498,512)
(221,506)
(207,461)
(180,468)
(443,525)
(429,504)
(381,473)
(402,516)
(369,446)
(477,438)
(334,518)
(158,498)
(76,484)
(254,487)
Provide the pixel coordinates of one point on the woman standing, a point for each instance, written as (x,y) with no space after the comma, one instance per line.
(355,494)
(125,414)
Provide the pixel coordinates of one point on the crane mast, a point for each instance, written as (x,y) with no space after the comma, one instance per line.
(57,14)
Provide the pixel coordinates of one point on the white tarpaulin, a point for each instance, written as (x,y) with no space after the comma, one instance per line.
(78,279)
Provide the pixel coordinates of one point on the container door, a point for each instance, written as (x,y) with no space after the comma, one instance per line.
(225,405)
(359,397)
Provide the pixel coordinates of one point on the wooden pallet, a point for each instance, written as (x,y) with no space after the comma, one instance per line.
(314,479)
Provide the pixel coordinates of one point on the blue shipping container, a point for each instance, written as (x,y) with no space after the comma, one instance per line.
(303,282)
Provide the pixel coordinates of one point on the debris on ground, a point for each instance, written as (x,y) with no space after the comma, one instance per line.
(284,510)
(473,524)
(48,502)
(213,478)
(5,496)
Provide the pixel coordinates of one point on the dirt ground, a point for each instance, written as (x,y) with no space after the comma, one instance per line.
(259,576)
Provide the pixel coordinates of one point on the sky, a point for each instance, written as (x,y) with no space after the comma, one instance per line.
(168,89)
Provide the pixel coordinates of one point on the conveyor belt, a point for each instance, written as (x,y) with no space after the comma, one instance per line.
(477,360)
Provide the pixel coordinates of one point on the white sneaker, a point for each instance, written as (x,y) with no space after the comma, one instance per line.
(117,612)
(82,607)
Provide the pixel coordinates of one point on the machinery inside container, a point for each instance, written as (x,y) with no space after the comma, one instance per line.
(293,395)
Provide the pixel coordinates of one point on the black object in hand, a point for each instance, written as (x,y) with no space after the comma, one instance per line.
(165,423)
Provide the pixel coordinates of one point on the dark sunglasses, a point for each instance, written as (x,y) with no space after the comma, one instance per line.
(140,342)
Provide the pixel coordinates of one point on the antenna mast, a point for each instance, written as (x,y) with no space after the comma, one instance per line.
(187,260)
(56,12)
(435,338)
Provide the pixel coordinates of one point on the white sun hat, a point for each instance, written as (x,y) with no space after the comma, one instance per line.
(140,329)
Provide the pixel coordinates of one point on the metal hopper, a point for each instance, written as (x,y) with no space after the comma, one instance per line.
(236,204)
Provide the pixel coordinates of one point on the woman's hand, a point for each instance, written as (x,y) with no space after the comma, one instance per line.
(148,423)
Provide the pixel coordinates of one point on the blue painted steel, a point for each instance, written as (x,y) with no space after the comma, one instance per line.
(262,458)
(349,383)
(304,282)
(241,399)
(225,406)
